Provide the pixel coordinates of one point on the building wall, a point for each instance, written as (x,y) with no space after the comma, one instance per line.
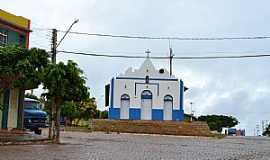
(13,19)
(17,29)
(14,37)
(159,89)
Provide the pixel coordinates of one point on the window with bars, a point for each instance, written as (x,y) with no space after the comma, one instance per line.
(3,39)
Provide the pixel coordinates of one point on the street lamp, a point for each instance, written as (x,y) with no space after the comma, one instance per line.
(54,47)
(75,21)
(54,40)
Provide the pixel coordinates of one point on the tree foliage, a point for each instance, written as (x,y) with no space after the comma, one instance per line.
(26,69)
(101,114)
(70,111)
(85,110)
(63,83)
(267,131)
(216,122)
(21,67)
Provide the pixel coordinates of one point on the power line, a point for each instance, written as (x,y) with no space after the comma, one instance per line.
(41,29)
(170,38)
(167,57)
(180,53)
(110,56)
(225,57)
(163,38)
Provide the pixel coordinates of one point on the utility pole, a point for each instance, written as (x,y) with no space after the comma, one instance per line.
(191,112)
(171,58)
(54,45)
(51,133)
(54,130)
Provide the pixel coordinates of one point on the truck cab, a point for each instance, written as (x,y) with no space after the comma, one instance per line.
(34,117)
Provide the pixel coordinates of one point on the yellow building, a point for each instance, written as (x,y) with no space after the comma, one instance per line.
(13,30)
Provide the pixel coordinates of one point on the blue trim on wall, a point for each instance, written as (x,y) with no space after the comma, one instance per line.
(178,115)
(114,113)
(134,113)
(181,95)
(140,78)
(112,90)
(157,114)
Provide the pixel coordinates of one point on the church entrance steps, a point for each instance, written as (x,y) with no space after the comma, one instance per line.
(153,127)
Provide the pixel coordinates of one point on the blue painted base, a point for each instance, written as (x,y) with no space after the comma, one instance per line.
(157,114)
(135,114)
(114,113)
(178,115)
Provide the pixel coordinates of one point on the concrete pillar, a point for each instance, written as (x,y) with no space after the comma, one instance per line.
(13,109)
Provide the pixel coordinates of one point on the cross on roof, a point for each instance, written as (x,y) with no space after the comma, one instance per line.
(147,52)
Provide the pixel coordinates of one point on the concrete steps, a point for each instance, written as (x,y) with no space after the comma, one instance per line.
(153,127)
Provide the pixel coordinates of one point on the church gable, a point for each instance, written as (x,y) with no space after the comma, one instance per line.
(147,69)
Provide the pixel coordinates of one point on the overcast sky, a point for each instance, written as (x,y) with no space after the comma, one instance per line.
(238,87)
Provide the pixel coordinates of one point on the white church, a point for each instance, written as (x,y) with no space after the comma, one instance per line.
(146,93)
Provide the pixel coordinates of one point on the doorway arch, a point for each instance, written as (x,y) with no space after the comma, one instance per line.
(124,106)
(146,105)
(168,107)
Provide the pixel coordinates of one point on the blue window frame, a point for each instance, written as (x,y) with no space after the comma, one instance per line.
(125,97)
(146,94)
(168,98)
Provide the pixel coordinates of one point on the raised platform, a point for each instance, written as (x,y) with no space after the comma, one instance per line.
(20,137)
(153,127)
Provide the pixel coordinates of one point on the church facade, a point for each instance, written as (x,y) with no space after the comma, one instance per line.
(146,94)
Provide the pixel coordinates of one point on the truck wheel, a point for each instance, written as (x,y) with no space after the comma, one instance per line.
(38,131)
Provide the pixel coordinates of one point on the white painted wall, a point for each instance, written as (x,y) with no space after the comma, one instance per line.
(146,109)
(165,88)
(167,110)
(124,111)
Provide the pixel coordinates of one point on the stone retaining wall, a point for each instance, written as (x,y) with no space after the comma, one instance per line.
(153,127)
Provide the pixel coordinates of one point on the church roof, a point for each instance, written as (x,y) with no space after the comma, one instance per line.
(147,69)
(147,64)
